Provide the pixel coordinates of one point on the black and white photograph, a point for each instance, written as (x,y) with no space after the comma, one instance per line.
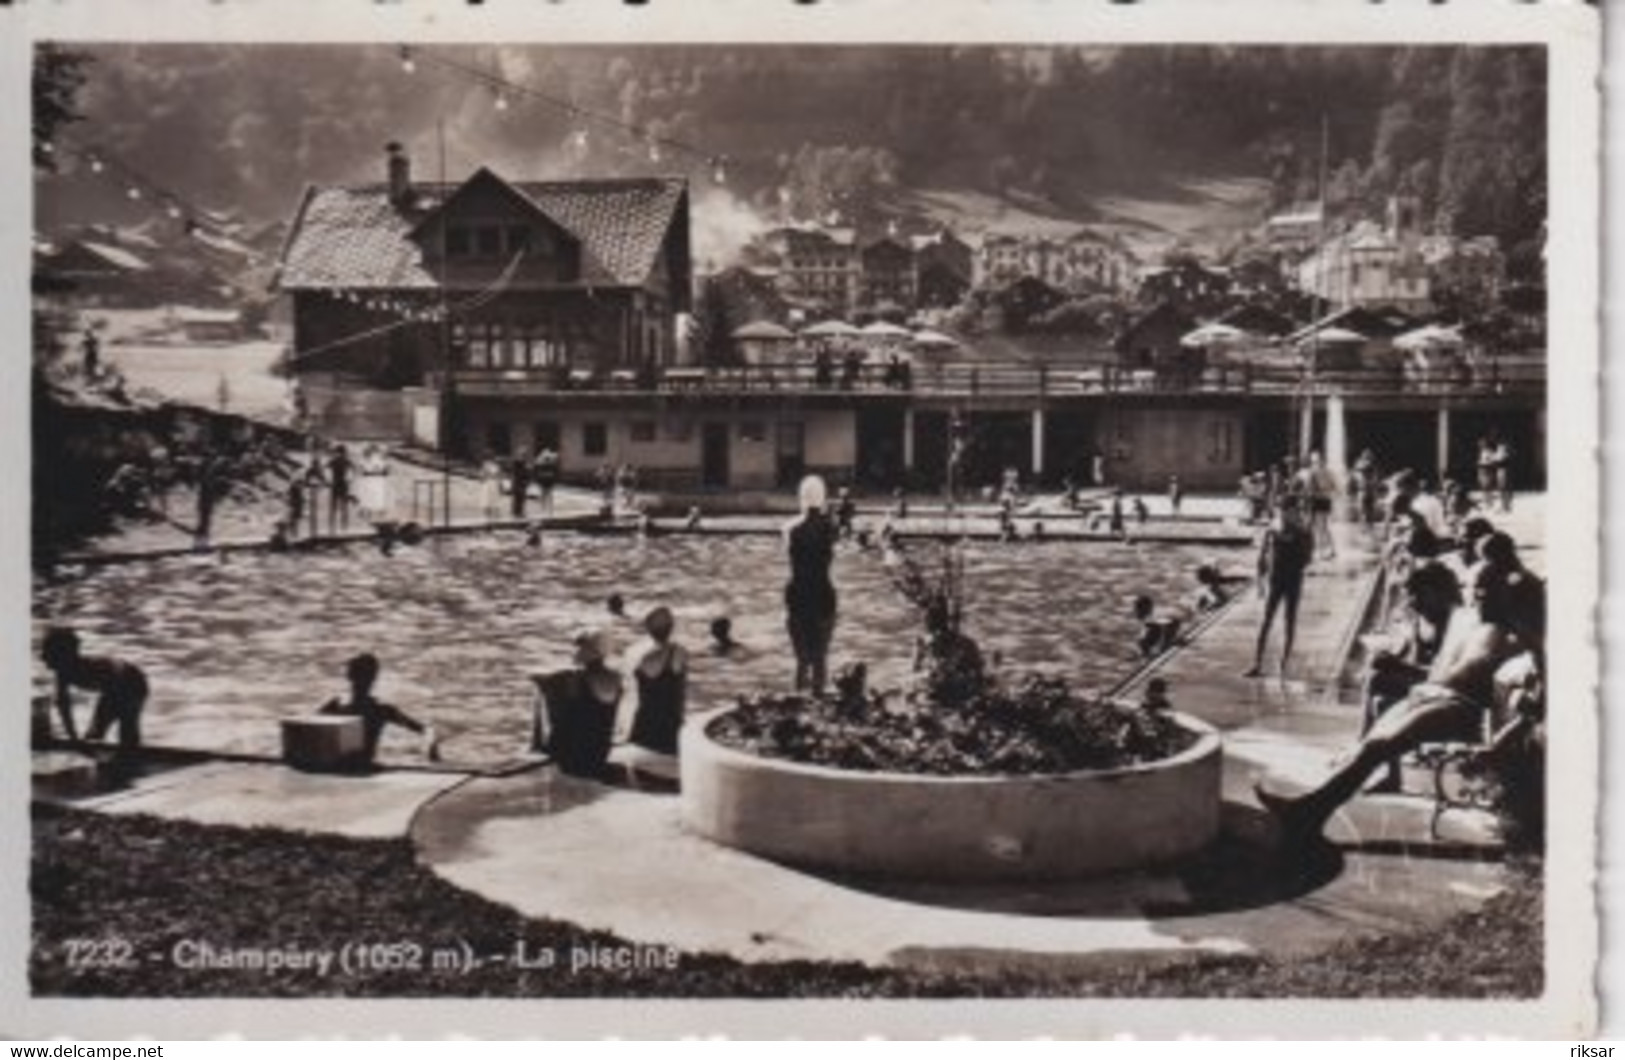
(798,518)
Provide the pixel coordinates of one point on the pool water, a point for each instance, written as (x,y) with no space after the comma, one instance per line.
(232,644)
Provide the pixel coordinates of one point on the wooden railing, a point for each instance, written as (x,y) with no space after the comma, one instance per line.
(1522,374)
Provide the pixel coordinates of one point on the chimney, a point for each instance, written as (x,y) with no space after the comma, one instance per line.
(400,175)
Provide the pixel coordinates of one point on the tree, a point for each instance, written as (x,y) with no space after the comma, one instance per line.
(59,74)
(714,326)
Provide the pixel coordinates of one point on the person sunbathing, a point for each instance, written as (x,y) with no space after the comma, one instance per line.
(1450,704)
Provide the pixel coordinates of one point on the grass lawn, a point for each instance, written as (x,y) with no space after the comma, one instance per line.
(155,883)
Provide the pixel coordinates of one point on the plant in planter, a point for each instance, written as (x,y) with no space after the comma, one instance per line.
(960,717)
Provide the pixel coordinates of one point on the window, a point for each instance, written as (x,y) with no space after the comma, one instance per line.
(594,439)
(485,344)
(792,437)
(459,344)
(458,243)
(643,431)
(488,241)
(518,239)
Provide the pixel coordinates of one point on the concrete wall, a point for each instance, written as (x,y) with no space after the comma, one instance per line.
(952,828)
(1144,446)
(673,457)
(831,438)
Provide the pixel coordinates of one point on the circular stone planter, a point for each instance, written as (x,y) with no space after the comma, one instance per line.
(953,828)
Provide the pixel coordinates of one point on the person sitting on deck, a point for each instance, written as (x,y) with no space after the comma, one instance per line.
(1450,704)
(575,711)
(362,673)
(121,687)
(1115,524)
(661,672)
(1463,561)
(1433,597)
(1142,514)
(692,521)
(1158,633)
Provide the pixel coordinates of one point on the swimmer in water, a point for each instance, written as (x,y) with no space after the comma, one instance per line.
(723,642)
(1158,633)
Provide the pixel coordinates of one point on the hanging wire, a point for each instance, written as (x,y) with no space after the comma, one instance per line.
(475,301)
(658,145)
(196,221)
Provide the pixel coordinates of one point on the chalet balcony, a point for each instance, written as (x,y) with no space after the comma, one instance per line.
(1512,375)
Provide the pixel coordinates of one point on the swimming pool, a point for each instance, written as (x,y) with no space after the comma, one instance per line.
(232,644)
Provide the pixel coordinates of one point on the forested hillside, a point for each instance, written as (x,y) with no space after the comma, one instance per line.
(807,132)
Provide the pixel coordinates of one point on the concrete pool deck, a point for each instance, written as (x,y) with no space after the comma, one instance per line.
(615,858)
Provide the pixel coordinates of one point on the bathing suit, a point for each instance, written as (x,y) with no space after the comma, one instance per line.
(661,697)
(809,598)
(579,726)
(123,689)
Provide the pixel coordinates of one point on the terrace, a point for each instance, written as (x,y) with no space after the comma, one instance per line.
(1519,375)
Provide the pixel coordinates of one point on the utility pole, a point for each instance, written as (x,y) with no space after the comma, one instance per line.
(446,402)
(1306,431)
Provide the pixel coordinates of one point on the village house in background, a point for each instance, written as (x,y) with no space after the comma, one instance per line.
(494,316)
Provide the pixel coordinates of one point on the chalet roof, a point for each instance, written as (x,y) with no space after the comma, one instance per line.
(1164,314)
(194,315)
(1260,320)
(1383,322)
(117,257)
(353,237)
(1309,216)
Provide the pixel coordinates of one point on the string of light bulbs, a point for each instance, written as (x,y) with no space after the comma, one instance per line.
(196,221)
(505,90)
(409,314)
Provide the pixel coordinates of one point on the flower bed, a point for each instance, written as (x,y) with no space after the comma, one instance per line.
(953,828)
(1039,728)
(962,777)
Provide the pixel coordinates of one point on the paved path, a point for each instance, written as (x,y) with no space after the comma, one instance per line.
(269,795)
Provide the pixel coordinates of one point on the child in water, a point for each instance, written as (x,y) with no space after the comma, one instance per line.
(362,673)
(1158,633)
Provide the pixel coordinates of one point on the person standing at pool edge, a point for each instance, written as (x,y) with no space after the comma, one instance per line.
(338,484)
(809,597)
(1282,560)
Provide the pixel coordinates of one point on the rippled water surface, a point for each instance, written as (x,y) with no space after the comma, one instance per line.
(231,645)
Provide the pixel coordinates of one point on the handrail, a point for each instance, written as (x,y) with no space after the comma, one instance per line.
(1003,378)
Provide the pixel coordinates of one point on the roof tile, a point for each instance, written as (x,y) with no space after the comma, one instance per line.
(352,237)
